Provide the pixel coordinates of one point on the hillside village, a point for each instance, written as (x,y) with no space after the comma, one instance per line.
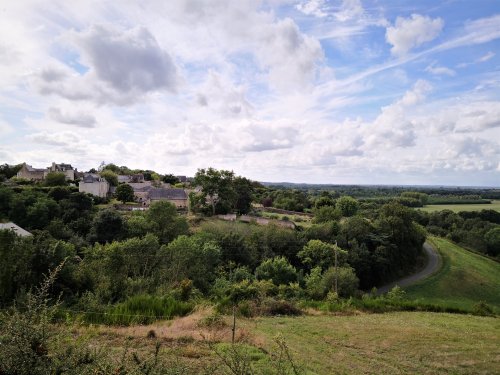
(146,191)
(170,255)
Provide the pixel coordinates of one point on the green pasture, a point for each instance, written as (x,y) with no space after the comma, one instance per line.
(494,205)
(464,280)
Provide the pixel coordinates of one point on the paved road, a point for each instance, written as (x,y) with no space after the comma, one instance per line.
(433,264)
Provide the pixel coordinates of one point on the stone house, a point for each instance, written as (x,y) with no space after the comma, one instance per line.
(133,178)
(149,194)
(67,169)
(30,173)
(39,174)
(95,185)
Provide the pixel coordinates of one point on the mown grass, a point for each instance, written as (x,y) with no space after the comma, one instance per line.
(392,343)
(464,279)
(495,205)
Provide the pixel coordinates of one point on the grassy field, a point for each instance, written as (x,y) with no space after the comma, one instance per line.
(394,343)
(495,205)
(391,343)
(464,279)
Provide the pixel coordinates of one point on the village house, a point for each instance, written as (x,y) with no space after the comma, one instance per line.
(29,173)
(149,194)
(67,169)
(39,174)
(15,228)
(95,185)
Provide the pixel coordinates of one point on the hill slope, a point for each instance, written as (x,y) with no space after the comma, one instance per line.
(464,279)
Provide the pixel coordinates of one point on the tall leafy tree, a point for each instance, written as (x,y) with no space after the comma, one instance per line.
(217,187)
(125,193)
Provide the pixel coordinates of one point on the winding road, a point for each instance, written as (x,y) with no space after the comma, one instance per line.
(433,264)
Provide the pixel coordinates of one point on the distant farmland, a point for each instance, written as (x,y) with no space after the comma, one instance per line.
(495,205)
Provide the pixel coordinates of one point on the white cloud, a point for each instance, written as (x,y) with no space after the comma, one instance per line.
(486,57)
(128,61)
(440,70)
(313,8)
(80,119)
(408,33)
(349,9)
(392,128)
(5,128)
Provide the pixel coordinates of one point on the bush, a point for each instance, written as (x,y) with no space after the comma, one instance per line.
(483,309)
(278,269)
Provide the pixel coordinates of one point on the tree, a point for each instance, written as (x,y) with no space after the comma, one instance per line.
(217,187)
(243,189)
(345,278)
(325,214)
(492,239)
(348,206)
(55,179)
(170,179)
(8,171)
(317,253)
(110,176)
(165,221)
(108,226)
(125,193)
(278,270)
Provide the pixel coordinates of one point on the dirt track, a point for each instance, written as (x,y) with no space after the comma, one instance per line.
(433,264)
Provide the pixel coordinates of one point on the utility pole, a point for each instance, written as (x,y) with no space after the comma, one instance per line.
(234,323)
(336,274)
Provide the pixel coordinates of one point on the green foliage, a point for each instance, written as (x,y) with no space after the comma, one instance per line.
(27,344)
(140,309)
(396,293)
(8,171)
(492,238)
(319,284)
(317,253)
(170,179)
(325,214)
(125,193)
(165,221)
(110,176)
(107,226)
(277,269)
(347,206)
(55,179)
(191,258)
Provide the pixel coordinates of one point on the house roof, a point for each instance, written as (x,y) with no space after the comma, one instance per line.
(91,178)
(16,228)
(31,169)
(63,167)
(159,193)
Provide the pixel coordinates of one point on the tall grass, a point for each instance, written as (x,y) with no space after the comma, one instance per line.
(140,309)
(383,305)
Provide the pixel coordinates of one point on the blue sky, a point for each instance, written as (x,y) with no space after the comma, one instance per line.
(347,91)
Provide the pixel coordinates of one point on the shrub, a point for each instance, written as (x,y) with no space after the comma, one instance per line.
(483,309)
(278,269)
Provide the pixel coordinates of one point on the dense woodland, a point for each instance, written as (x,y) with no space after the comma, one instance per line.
(112,256)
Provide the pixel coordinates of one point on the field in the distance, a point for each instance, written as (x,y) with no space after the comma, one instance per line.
(495,205)
(464,279)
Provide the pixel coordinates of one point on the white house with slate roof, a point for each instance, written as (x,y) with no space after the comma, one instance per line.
(95,185)
(15,228)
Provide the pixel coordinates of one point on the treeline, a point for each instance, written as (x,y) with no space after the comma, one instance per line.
(112,257)
(478,230)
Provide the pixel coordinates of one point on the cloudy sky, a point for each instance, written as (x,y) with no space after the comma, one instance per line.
(340,91)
